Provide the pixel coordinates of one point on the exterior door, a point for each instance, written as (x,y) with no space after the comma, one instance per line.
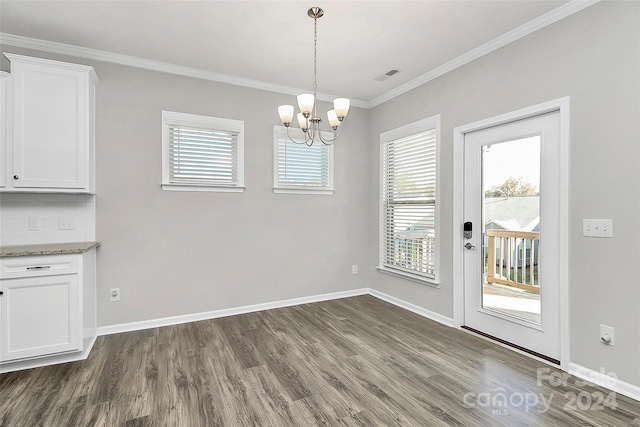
(512,238)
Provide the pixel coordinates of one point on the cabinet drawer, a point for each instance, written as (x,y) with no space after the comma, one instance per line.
(32,266)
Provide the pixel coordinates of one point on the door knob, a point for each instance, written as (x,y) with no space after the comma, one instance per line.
(469,246)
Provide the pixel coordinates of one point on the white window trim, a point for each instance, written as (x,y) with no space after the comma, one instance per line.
(174,118)
(280,189)
(290,190)
(401,132)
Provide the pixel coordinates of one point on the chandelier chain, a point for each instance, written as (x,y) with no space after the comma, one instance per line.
(315,61)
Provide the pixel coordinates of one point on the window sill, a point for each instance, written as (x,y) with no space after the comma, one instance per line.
(184,187)
(409,276)
(325,192)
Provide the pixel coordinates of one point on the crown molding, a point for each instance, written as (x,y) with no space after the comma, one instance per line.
(148,64)
(100,55)
(495,44)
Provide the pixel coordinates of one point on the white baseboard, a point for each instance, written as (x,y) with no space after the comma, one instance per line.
(186,318)
(604,380)
(447,321)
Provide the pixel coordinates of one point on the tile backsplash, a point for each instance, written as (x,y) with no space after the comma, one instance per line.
(27,219)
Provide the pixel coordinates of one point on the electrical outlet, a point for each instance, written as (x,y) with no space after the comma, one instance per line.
(66,223)
(34,223)
(607,335)
(354,269)
(114,294)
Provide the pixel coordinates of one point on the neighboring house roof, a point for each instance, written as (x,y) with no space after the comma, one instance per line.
(512,213)
(511,224)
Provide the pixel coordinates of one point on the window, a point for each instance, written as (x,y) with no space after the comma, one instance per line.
(201,153)
(299,168)
(409,234)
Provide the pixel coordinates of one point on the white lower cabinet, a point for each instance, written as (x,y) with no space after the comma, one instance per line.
(43,307)
(41,315)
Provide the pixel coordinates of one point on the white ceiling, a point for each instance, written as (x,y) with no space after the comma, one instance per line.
(272,41)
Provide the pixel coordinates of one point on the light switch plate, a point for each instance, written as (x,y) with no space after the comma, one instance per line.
(597,228)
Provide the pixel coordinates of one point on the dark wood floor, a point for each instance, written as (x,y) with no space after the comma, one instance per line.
(351,362)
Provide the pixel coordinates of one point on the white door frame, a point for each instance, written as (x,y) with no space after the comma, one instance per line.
(562,106)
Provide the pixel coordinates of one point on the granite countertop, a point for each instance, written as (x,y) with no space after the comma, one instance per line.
(47,249)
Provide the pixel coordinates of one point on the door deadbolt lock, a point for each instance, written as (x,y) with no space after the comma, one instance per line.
(468,230)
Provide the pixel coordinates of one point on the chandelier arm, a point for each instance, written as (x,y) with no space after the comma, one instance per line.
(330,141)
(306,140)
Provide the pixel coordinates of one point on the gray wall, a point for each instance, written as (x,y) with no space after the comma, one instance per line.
(174,253)
(593,57)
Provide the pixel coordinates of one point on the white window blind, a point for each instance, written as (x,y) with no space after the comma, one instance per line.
(202,155)
(409,190)
(299,168)
(201,151)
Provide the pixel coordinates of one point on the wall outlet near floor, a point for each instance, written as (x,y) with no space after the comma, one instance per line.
(114,294)
(607,335)
(34,223)
(354,269)
(66,223)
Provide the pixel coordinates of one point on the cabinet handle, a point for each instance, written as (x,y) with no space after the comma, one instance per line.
(16,177)
(39,267)
(1,293)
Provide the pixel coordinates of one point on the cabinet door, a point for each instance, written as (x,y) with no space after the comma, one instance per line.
(40,316)
(50,127)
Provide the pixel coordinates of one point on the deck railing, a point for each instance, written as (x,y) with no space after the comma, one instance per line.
(512,259)
(413,251)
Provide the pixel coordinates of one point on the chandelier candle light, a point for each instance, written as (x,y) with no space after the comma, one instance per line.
(308,119)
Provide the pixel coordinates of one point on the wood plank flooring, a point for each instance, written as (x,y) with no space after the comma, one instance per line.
(351,362)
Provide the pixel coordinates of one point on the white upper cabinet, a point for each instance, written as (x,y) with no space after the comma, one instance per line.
(50,141)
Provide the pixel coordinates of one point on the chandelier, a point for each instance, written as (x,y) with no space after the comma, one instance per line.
(308,118)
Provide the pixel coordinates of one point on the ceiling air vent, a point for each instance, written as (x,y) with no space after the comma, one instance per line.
(386,75)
